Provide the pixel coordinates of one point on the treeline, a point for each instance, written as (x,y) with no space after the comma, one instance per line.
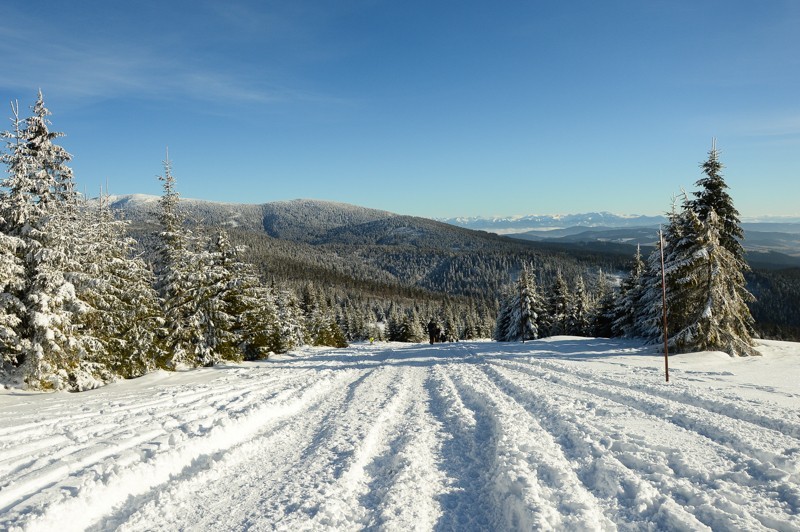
(528,312)
(776,310)
(693,282)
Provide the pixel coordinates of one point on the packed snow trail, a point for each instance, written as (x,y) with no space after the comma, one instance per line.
(560,434)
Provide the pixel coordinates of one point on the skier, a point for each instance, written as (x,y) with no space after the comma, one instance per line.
(433,331)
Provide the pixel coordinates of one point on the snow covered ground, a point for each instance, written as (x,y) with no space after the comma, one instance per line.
(564,433)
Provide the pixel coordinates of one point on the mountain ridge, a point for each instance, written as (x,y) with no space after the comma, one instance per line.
(380,255)
(319,221)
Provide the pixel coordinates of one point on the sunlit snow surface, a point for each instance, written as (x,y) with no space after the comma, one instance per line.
(564,433)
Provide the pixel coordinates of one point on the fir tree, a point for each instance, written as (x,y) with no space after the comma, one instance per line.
(558,307)
(579,316)
(123,311)
(626,304)
(38,206)
(707,301)
(713,197)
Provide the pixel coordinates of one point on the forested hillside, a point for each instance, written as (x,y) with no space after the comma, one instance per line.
(378,274)
(370,259)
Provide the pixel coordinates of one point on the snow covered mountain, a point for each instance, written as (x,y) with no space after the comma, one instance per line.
(775,240)
(522,224)
(762,235)
(599,220)
(300,219)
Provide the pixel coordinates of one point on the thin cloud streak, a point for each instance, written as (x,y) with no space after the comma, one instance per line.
(116,70)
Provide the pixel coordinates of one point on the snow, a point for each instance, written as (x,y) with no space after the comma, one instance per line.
(564,433)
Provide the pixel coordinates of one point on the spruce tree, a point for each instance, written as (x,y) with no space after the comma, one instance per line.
(183,334)
(625,306)
(250,304)
(504,324)
(529,311)
(713,196)
(215,288)
(38,206)
(123,312)
(649,303)
(707,299)
(603,312)
(12,283)
(579,316)
(704,269)
(320,324)
(558,307)
(13,208)
(290,316)
(521,311)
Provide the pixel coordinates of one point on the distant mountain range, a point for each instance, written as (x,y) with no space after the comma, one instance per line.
(316,221)
(606,220)
(763,235)
(522,224)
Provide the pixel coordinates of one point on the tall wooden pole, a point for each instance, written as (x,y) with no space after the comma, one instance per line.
(664,303)
(521,311)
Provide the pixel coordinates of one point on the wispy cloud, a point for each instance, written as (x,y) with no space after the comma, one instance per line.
(105,68)
(773,126)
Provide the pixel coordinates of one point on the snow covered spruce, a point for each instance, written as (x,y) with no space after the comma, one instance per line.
(79,305)
(703,276)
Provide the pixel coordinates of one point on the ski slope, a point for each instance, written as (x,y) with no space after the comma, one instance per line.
(564,433)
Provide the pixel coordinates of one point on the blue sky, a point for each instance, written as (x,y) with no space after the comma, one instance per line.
(435,108)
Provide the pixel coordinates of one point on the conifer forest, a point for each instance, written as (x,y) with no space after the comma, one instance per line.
(92,294)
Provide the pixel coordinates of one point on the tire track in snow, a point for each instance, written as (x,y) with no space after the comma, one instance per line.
(780,419)
(405,480)
(312,472)
(83,445)
(532,485)
(351,445)
(628,496)
(772,454)
(244,476)
(763,501)
(77,431)
(127,473)
(464,455)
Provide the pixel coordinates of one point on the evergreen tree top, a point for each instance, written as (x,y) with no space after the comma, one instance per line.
(170,198)
(713,190)
(38,175)
(713,196)
(37,127)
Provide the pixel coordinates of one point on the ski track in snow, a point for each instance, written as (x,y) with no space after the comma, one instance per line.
(469,436)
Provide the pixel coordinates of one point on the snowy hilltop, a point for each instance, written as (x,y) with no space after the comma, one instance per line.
(560,434)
